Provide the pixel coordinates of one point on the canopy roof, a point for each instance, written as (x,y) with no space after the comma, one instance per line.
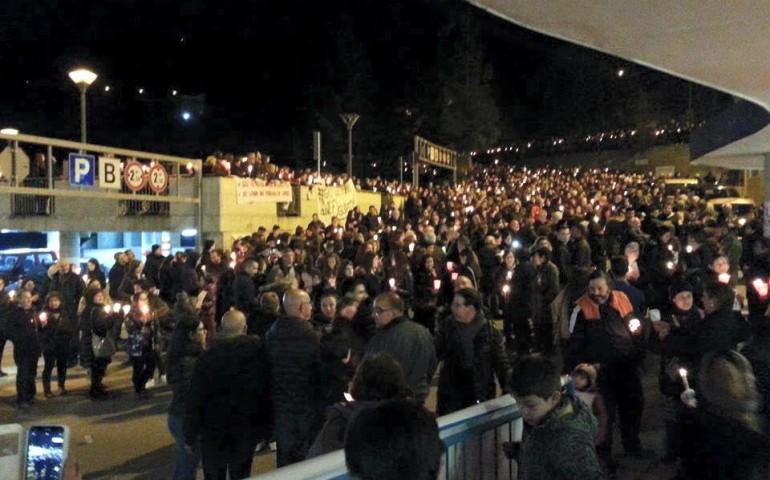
(723,45)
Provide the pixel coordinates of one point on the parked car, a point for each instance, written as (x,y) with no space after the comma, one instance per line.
(25,262)
(743,208)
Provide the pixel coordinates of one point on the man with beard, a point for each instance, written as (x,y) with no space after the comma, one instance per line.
(604,330)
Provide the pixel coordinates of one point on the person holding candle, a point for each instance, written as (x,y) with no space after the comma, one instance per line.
(21,328)
(426,291)
(605,330)
(56,329)
(95,321)
(676,333)
(139,347)
(726,439)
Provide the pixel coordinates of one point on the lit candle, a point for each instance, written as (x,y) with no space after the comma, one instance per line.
(250,168)
(144,309)
(116,307)
(683,374)
(411,247)
(85,278)
(232,264)
(233,255)
(724,277)
(509,275)
(506,290)
(688,248)
(126,309)
(107,309)
(670,248)
(454,276)
(392,283)
(12,294)
(634,325)
(203,268)
(450,266)
(670,265)
(760,286)
(436,284)
(43,318)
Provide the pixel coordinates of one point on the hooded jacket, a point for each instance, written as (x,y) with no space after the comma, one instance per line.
(561,446)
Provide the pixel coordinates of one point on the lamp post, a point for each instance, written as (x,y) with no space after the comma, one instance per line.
(350,119)
(83,78)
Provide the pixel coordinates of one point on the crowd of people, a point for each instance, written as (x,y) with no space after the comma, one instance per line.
(588,270)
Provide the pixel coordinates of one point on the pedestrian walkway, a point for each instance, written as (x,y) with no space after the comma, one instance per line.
(123,438)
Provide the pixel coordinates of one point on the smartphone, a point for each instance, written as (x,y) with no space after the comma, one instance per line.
(654,315)
(47,449)
(11,446)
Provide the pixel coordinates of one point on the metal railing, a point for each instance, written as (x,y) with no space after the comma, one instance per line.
(471,438)
(31,191)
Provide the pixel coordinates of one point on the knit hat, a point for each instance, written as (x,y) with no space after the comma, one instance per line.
(589,371)
(680,286)
(154,247)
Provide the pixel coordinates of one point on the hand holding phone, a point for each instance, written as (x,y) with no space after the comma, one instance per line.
(46,452)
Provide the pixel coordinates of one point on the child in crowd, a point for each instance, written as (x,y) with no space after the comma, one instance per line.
(586,389)
(560,430)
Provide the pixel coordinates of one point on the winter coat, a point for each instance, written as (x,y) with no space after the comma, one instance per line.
(411,345)
(57,332)
(332,434)
(459,373)
(561,446)
(292,352)
(214,410)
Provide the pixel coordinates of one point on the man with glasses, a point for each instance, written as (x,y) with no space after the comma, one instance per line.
(408,342)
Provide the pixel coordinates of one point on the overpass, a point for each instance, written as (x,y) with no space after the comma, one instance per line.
(149,197)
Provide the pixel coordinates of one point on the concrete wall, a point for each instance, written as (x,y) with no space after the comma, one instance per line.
(224,220)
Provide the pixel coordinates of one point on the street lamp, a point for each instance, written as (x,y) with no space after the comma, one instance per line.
(83,78)
(350,119)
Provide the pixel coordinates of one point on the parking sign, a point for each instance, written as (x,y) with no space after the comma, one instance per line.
(82,169)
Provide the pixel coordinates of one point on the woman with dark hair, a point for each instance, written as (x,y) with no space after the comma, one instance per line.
(377,379)
(341,350)
(346,276)
(187,343)
(94,272)
(95,320)
(426,293)
(56,331)
(370,271)
(140,327)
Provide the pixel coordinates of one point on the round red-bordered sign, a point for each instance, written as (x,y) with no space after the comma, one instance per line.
(158,178)
(134,176)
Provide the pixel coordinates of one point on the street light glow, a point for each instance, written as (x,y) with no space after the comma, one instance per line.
(82,77)
(9,131)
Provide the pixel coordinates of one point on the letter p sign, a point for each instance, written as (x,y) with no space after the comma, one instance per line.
(82,170)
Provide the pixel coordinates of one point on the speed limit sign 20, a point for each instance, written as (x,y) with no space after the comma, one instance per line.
(158,178)
(134,176)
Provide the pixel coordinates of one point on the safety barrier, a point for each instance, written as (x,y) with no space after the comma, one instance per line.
(471,438)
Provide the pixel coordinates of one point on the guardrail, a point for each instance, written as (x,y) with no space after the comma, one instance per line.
(471,438)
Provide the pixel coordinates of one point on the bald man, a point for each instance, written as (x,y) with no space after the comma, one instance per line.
(293,352)
(228,408)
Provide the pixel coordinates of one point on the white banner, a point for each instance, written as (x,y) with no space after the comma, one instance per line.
(336,201)
(249,191)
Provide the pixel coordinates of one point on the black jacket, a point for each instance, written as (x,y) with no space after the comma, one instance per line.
(459,373)
(293,355)
(228,393)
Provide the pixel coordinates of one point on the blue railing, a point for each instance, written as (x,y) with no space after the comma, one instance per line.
(471,438)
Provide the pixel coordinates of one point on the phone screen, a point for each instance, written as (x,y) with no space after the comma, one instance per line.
(45,453)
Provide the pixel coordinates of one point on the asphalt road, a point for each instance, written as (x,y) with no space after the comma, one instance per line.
(125,438)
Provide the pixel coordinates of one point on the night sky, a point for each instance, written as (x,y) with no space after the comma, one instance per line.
(253,73)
